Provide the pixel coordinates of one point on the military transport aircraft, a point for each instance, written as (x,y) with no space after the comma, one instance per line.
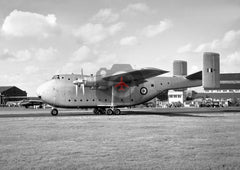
(120,86)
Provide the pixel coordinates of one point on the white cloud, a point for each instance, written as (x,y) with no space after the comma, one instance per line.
(185,48)
(153,30)
(113,29)
(194,69)
(31,69)
(230,39)
(11,80)
(233,58)
(95,33)
(25,55)
(22,55)
(105,16)
(131,40)
(45,54)
(21,24)
(137,7)
(89,60)
(231,36)
(231,62)
(82,54)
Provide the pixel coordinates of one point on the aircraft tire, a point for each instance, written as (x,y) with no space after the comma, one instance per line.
(54,112)
(102,111)
(109,111)
(117,111)
(96,111)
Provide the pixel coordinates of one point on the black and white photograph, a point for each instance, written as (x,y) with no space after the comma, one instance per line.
(120,84)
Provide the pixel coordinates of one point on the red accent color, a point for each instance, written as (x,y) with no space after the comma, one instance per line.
(121,84)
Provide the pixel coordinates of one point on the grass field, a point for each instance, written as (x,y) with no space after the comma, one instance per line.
(80,140)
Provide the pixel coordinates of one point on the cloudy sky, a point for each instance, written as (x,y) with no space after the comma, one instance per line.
(40,38)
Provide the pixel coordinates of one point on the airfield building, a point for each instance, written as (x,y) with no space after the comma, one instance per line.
(11,93)
(176,96)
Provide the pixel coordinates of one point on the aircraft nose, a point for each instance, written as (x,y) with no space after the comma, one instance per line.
(41,89)
(44,90)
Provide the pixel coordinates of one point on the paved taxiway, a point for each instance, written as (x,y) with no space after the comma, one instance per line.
(80,140)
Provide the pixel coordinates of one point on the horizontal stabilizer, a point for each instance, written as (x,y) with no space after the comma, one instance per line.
(195,76)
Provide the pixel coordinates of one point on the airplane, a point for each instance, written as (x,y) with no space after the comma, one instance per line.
(102,93)
(28,103)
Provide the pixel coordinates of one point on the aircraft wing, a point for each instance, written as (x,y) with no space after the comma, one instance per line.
(135,75)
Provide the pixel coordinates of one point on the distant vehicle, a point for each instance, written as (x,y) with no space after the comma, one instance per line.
(12,104)
(28,103)
(216,104)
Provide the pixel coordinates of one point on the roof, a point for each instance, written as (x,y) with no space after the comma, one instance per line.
(4,88)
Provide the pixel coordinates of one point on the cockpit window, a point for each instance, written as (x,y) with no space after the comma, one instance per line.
(56,77)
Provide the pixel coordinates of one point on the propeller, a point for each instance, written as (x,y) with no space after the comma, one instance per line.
(80,82)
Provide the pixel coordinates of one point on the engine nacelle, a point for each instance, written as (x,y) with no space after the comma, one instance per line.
(90,81)
(211,70)
(179,68)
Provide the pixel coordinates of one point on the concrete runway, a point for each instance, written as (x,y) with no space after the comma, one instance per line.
(148,140)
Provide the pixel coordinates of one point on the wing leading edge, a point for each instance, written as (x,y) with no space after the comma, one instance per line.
(135,75)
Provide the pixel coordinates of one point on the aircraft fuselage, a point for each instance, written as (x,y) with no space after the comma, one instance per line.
(61,92)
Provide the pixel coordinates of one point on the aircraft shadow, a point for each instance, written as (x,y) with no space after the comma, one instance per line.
(169,114)
(77,114)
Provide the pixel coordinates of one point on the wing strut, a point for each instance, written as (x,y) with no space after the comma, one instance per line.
(112,101)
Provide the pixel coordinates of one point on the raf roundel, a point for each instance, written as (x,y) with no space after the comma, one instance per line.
(143,90)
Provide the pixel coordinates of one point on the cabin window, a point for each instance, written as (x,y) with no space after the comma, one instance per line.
(121,100)
(69,100)
(132,100)
(152,85)
(168,82)
(105,100)
(93,100)
(99,99)
(56,77)
(75,100)
(80,100)
(87,100)
(62,77)
(68,78)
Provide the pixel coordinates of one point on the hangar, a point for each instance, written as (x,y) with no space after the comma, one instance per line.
(11,93)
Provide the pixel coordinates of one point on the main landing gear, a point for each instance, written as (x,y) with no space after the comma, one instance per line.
(108,111)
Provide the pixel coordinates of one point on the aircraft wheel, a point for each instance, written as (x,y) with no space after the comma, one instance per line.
(102,111)
(117,111)
(109,111)
(54,112)
(96,111)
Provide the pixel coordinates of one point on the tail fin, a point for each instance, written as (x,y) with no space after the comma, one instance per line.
(211,70)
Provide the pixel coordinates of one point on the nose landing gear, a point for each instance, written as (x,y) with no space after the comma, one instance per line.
(54,112)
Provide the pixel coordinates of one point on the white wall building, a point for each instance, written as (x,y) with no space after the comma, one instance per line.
(176,96)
